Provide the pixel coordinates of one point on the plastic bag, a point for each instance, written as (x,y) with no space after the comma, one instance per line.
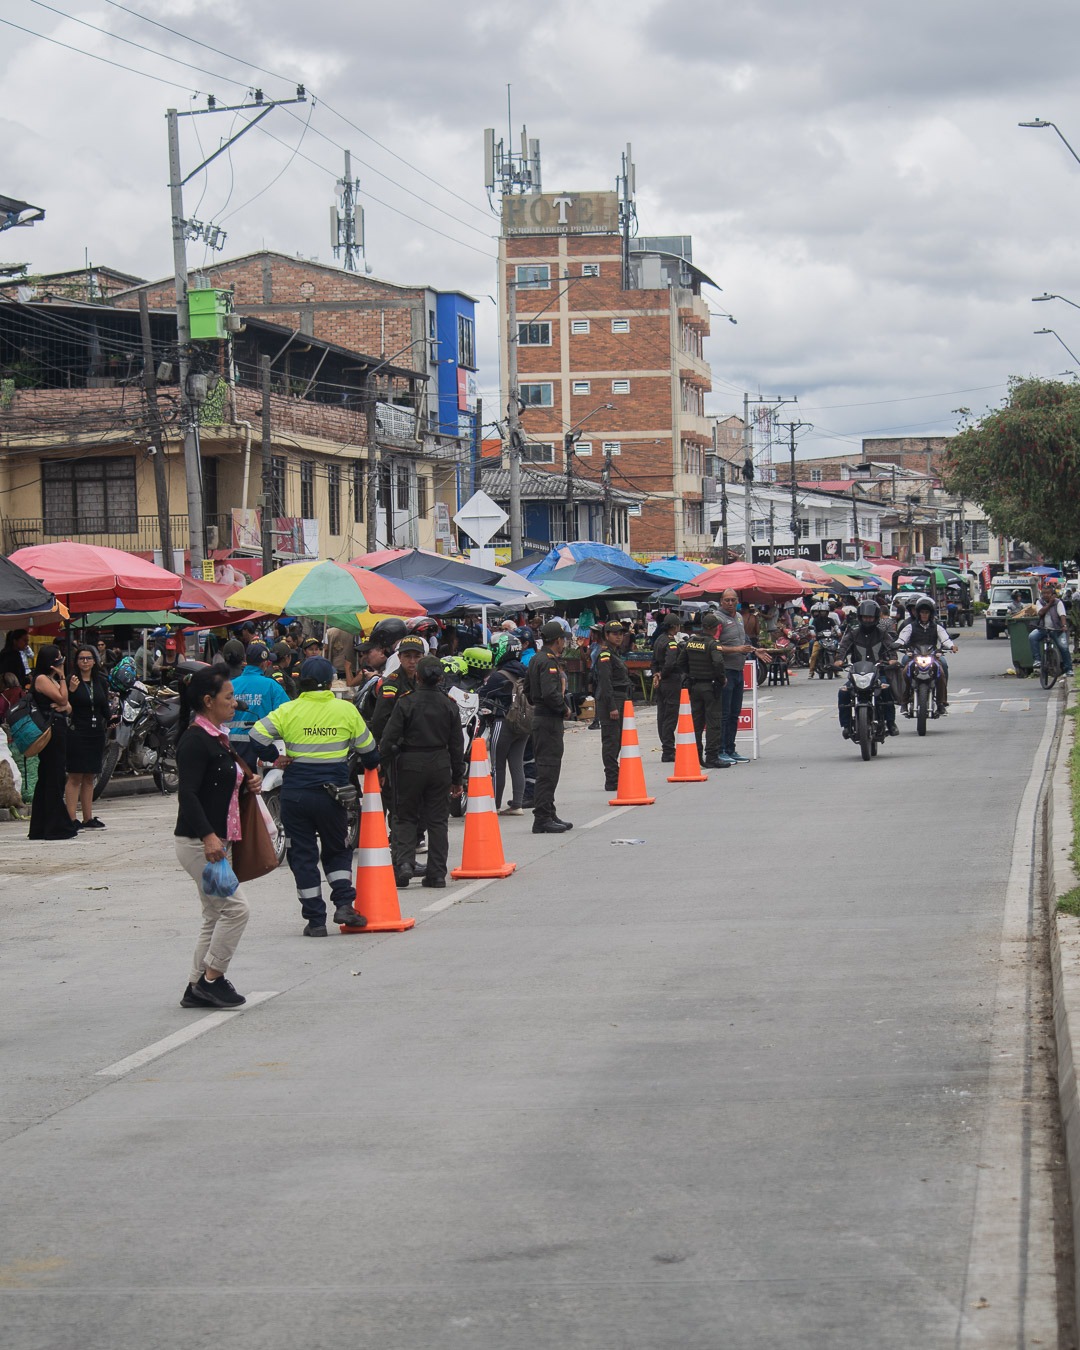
(218,879)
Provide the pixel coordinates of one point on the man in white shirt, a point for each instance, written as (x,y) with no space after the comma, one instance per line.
(1052,622)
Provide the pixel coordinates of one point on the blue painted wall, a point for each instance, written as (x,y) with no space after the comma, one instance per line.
(449,307)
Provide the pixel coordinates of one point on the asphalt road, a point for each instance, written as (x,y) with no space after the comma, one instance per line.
(772,1074)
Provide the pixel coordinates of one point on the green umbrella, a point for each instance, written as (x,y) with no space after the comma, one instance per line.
(134,618)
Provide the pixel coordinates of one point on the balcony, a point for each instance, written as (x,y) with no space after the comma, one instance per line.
(133,534)
(693,309)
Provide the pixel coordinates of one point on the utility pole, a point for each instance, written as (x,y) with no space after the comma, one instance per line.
(605,482)
(373,465)
(157,440)
(772,532)
(266,517)
(513,419)
(214,237)
(855,522)
(723,512)
(793,427)
(387,471)
(477,436)
(569,441)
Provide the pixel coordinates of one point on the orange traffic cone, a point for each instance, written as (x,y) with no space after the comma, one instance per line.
(482,851)
(687,764)
(631,790)
(376,890)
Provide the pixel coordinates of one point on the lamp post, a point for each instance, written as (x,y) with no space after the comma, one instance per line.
(1039,124)
(1040,331)
(1047,295)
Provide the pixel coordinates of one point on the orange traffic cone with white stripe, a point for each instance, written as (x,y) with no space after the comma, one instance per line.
(687,763)
(482,851)
(376,889)
(631,790)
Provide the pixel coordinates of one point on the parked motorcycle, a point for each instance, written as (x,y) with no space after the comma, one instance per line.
(142,739)
(467,701)
(272,780)
(867,710)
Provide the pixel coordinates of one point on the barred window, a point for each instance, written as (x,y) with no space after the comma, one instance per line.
(333,497)
(89,496)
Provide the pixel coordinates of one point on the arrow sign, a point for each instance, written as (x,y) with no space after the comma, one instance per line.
(481,518)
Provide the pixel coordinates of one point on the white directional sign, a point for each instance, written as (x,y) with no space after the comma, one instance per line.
(481,518)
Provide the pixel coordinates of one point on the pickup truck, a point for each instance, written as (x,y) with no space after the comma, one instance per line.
(1000,602)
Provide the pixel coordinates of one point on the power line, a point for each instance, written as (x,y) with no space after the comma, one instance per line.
(257,195)
(81,51)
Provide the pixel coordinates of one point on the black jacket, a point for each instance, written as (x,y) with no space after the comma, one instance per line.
(426,721)
(386,698)
(207,773)
(547,685)
(701,660)
(875,645)
(498,688)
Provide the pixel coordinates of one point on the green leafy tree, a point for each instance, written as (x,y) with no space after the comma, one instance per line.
(1021,464)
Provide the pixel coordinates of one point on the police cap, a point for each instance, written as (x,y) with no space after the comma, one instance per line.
(412,643)
(552,631)
(613,629)
(318,672)
(256,653)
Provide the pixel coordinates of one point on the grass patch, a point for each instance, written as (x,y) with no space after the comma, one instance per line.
(1074,785)
(1070,903)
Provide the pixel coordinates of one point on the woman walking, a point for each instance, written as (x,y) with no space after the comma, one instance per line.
(49,817)
(207,824)
(88,695)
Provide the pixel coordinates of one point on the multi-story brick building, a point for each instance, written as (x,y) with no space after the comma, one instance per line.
(609,342)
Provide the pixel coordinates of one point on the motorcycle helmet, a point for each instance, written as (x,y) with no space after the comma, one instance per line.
(819,607)
(455,666)
(506,647)
(123,675)
(924,605)
(424,626)
(478,659)
(869,613)
(387,633)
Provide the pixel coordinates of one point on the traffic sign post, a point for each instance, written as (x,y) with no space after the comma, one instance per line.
(481,518)
(748,717)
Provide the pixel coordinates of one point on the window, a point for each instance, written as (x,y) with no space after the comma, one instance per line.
(466,342)
(89,496)
(278,467)
(581,387)
(536,395)
(620,325)
(534,334)
(821,526)
(359,490)
(816,476)
(692,458)
(538,452)
(583,448)
(423,505)
(590,269)
(579,325)
(694,517)
(534,277)
(210,489)
(333,497)
(612,447)
(402,487)
(620,386)
(307,489)
(804,526)
(980,536)
(758,528)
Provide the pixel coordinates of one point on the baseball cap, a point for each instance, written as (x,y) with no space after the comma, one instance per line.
(552,631)
(412,643)
(256,653)
(317,670)
(613,628)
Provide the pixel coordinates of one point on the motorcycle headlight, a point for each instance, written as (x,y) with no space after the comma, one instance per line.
(924,662)
(865,680)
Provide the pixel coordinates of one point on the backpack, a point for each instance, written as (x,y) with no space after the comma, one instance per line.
(519,716)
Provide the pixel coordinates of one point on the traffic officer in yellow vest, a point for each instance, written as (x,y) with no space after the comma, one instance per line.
(320,731)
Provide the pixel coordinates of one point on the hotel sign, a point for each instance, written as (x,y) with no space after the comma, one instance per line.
(561,213)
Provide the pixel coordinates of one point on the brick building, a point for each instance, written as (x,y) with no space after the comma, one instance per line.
(610,345)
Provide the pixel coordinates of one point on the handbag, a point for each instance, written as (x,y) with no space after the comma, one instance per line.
(254,854)
(31,729)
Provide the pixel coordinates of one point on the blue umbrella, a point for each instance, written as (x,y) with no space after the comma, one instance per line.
(676,569)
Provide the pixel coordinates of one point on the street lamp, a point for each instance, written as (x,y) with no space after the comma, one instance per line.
(1046,295)
(1039,124)
(1040,331)
(721,314)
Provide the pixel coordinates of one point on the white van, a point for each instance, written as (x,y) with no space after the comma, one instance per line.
(1001,597)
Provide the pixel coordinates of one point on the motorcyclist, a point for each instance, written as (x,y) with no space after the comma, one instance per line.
(923,630)
(822,621)
(479,663)
(867,641)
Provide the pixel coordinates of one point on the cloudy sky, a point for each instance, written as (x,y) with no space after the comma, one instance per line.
(852,174)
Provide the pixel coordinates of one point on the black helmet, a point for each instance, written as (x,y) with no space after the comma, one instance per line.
(869,613)
(387,633)
(923,602)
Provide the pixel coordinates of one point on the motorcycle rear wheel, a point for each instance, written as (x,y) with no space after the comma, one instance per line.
(166,777)
(863,730)
(922,708)
(108,765)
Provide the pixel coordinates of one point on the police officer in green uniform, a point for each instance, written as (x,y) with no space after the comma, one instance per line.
(701,663)
(402,681)
(667,685)
(423,742)
(612,689)
(319,731)
(546,685)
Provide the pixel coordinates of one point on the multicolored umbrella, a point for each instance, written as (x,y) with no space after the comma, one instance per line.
(325,590)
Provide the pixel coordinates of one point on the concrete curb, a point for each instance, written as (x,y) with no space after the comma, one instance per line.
(1065,962)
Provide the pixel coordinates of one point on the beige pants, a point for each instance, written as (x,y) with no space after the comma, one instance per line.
(224,920)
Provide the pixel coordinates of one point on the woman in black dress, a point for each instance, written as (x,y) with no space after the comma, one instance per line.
(49,817)
(89,697)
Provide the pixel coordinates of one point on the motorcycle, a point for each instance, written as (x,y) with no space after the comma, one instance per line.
(867,711)
(923,672)
(273,778)
(142,739)
(468,705)
(829,645)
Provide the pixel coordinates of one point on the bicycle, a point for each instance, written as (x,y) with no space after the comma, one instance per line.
(1050,667)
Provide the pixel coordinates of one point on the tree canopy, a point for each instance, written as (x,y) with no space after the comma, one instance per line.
(1021,464)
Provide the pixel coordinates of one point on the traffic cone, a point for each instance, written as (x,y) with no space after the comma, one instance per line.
(482,851)
(376,889)
(687,763)
(631,790)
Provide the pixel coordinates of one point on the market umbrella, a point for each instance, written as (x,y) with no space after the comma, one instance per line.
(676,569)
(325,590)
(569,592)
(206,603)
(417,562)
(133,618)
(754,582)
(805,570)
(605,578)
(23,599)
(90,577)
(443,597)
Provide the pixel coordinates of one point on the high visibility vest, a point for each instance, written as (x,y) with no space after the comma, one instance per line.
(318,729)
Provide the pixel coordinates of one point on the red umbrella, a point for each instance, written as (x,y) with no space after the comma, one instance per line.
(805,570)
(88,578)
(203,602)
(754,582)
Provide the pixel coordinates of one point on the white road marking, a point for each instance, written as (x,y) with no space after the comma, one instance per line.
(766,739)
(1015,705)
(608,815)
(961,707)
(802,715)
(54,881)
(167,1043)
(445,901)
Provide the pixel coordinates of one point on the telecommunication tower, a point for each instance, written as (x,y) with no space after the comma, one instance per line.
(510,171)
(347,222)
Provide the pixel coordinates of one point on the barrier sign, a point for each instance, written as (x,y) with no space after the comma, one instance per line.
(747,728)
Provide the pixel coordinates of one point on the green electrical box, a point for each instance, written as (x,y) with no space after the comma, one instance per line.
(207,312)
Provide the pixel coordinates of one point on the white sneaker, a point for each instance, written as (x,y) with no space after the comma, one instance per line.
(511,811)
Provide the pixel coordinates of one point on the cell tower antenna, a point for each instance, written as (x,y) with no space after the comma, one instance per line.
(507,171)
(347,224)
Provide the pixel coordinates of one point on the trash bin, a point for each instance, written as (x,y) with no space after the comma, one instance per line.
(1020,645)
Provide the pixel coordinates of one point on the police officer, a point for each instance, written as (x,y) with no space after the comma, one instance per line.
(423,741)
(612,689)
(401,681)
(259,693)
(319,731)
(666,685)
(547,693)
(702,665)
